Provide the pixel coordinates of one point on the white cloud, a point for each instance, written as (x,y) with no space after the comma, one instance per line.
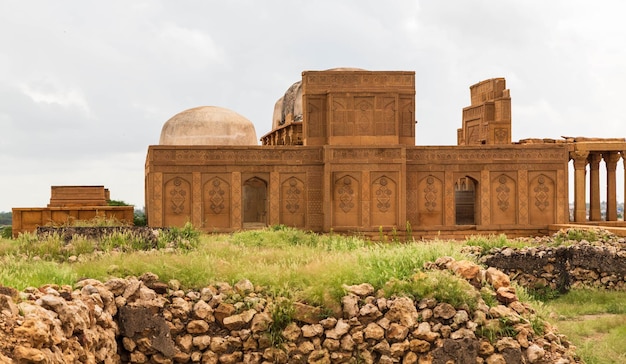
(50,93)
(86,86)
(188,47)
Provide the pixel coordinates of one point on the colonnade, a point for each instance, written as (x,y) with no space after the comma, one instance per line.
(581,159)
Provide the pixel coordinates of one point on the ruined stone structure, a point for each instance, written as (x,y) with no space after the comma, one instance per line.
(67,204)
(342,157)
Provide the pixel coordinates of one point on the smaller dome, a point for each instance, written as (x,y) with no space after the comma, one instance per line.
(208,125)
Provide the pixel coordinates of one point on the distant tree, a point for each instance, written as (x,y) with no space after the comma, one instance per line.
(6,218)
(117,203)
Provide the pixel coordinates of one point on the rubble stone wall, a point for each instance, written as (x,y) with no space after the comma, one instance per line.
(144,320)
(582,264)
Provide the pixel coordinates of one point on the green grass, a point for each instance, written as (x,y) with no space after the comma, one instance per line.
(594,321)
(312,268)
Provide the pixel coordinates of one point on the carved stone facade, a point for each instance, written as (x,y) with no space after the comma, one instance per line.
(351,165)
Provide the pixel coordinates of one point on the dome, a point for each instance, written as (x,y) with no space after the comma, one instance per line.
(208,125)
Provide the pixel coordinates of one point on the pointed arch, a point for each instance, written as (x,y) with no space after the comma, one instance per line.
(254,202)
(216,203)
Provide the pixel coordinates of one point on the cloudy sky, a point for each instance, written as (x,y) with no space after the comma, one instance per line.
(85,86)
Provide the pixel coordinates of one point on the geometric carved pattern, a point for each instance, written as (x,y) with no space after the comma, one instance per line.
(541,193)
(178,196)
(484,198)
(430,194)
(346,194)
(502,192)
(522,179)
(383,195)
(157,182)
(216,196)
(294,196)
(365,205)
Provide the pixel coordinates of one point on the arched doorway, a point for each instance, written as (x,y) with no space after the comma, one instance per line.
(254,202)
(465,201)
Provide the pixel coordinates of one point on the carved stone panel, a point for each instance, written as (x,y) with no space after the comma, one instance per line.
(364,115)
(542,198)
(430,195)
(292,202)
(316,120)
(407,117)
(157,200)
(342,123)
(384,201)
(346,200)
(412,212)
(385,123)
(216,203)
(314,196)
(177,201)
(503,200)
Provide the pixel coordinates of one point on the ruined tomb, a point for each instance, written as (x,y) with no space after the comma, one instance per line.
(341,156)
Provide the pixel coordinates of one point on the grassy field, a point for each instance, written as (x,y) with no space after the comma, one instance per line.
(306,267)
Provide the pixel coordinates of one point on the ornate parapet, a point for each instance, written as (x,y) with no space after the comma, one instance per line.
(288,134)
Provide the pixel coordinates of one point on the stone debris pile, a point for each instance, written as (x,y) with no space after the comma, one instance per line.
(144,320)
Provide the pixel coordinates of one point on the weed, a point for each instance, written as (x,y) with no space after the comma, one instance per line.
(575,235)
(494,329)
(409,231)
(486,243)
(282,312)
(185,238)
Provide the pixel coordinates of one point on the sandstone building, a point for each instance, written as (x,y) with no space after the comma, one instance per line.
(342,157)
(67,205)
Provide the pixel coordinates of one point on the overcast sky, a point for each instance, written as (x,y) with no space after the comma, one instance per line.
(85,86)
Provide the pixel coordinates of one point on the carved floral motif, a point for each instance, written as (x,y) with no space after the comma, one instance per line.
(216,197)
(430,194)
(177,196)
(502,192)
(541,194)
(383,195)
(346,195)
(292,202)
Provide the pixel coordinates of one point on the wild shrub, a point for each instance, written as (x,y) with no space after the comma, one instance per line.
(6,232)
(185,238)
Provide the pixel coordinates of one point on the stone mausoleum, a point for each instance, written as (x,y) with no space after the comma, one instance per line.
(341,157)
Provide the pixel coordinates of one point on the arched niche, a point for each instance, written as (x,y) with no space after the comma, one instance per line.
(542,199)
(346,201)
(177,202)
(293,203)
(503,200)
(383,202)
(430,201)
(465,189)
(254,202)
(216,203)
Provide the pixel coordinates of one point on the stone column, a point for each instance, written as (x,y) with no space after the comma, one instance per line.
(623,154)
(580,163)
(594,186)
(611,159)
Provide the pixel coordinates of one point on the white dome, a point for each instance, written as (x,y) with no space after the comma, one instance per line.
(208,125)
